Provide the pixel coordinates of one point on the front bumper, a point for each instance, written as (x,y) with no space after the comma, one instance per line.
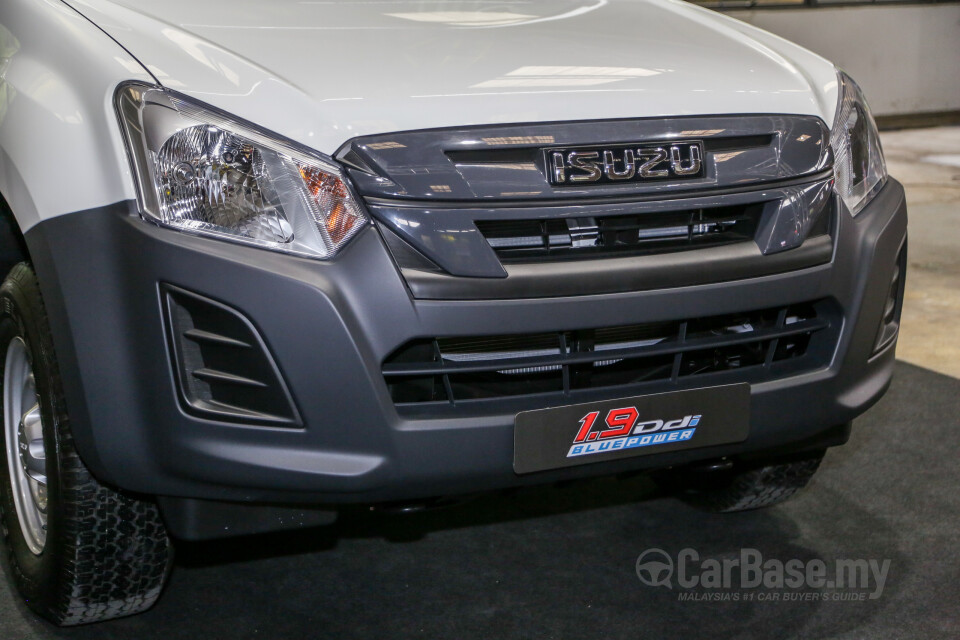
(330,325)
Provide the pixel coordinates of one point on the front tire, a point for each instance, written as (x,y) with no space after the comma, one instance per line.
(78,551)
(756,487)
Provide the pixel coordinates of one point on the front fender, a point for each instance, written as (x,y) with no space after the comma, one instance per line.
(60,147)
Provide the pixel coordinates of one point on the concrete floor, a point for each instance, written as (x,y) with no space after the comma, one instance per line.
(927,162)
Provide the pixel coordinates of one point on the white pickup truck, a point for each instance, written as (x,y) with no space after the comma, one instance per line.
(261,259)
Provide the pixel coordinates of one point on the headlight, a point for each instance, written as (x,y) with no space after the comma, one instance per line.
(202,171)
(859,167)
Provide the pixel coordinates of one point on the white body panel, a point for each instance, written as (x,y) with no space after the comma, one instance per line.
(321,73)
(60,147)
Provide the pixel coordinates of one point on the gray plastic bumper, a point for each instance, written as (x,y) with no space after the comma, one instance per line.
(329,327)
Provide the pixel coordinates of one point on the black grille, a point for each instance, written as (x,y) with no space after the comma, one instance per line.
(224,370)
(648,233)
(768,341)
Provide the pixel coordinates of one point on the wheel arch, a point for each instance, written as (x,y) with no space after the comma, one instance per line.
(13,245)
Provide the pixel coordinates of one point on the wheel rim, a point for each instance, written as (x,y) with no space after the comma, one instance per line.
(26,459)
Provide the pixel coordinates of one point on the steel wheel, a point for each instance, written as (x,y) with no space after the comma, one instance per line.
(26,459)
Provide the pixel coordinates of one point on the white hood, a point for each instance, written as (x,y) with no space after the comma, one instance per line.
(321,72)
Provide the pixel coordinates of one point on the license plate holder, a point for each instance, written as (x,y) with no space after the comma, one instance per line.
(558,437)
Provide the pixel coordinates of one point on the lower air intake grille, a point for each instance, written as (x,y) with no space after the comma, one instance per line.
(224,370)
(768,342)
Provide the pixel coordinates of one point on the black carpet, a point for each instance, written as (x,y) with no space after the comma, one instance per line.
(560,563)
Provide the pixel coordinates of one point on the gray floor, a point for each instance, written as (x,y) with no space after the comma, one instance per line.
(560,563)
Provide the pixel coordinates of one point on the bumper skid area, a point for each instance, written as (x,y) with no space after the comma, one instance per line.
(330,325)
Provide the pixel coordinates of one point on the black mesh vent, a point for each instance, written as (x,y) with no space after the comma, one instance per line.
(224,370)
(451,370)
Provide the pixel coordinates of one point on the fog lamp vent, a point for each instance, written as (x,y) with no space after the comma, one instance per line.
(890,323)
(224,370)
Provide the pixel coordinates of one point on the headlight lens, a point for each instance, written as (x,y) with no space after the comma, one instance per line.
(859,166)
(202,171)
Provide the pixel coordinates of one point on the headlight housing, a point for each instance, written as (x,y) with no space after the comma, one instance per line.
(859,167)
(202,171)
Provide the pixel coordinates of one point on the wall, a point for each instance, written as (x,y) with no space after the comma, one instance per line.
(906,58)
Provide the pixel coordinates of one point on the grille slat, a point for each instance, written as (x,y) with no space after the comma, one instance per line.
(213,375)
(450,370)
(198,335)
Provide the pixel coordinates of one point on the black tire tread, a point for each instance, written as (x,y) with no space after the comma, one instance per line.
(756,488)
(114,554)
